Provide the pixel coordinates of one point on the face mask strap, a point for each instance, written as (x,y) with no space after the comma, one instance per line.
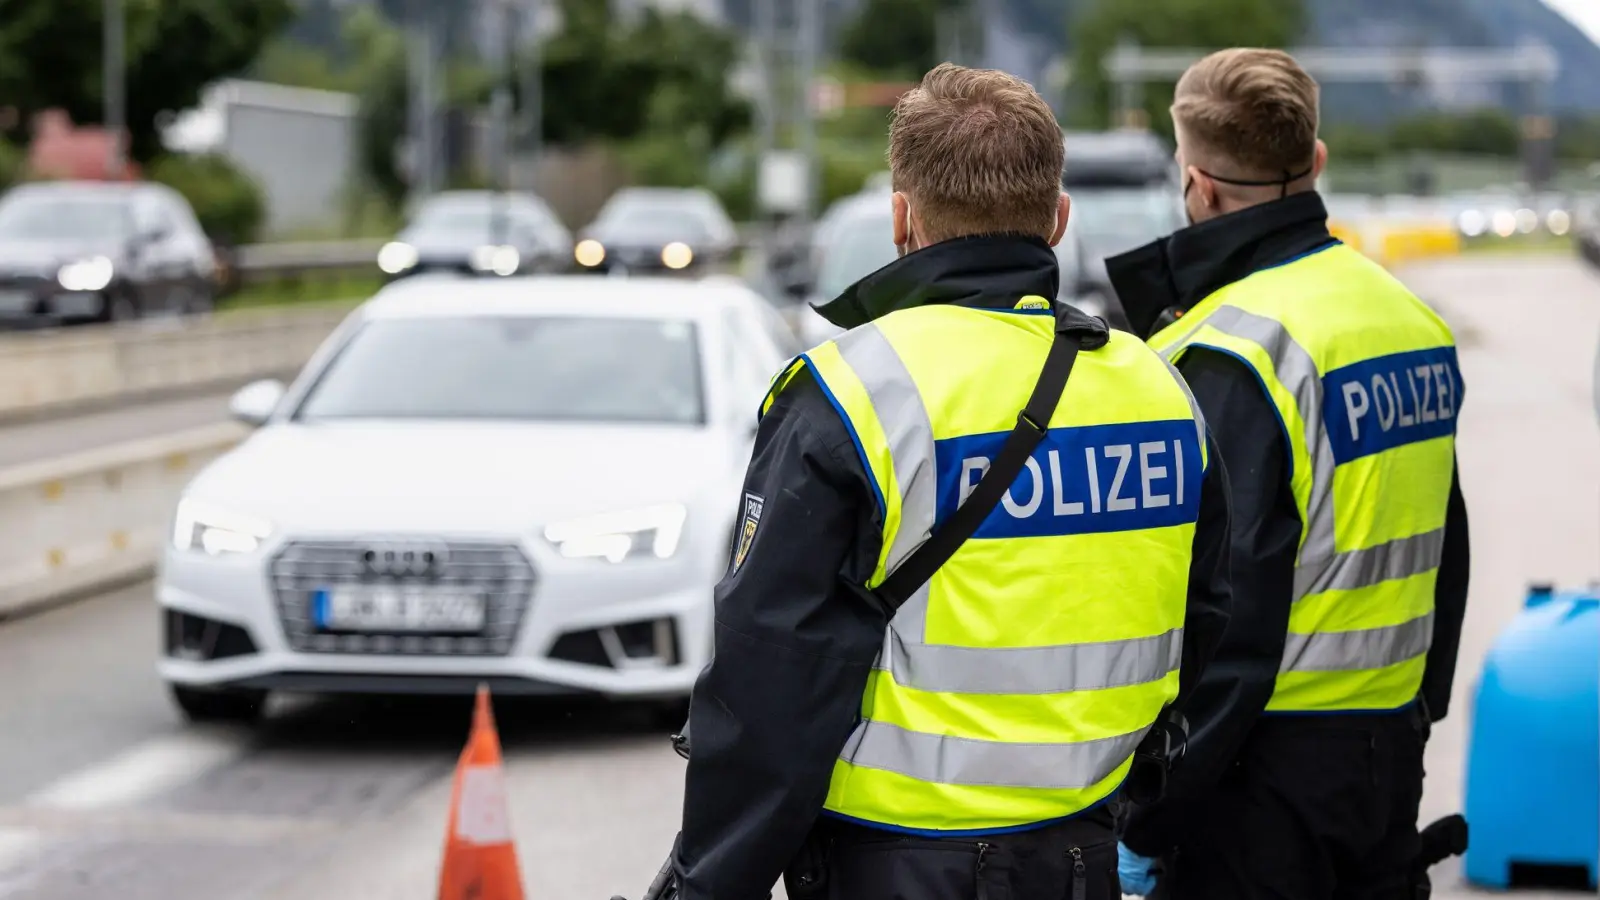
(1287,179)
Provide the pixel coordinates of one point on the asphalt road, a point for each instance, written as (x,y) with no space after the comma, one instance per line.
(105,794)
(25,442)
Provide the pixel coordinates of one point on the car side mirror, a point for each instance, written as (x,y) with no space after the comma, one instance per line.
(254,403)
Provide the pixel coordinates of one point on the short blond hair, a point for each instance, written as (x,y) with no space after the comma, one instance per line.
(1254,108)
(976,151)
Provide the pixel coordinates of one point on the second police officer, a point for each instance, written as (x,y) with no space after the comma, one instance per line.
(926,685)
(1333,394)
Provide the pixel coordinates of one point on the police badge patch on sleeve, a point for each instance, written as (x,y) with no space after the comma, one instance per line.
(747,529)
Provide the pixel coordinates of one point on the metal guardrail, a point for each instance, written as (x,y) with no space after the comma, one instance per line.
(271,262)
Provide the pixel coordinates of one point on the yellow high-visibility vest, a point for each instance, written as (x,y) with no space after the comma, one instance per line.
(1366,384)
(1014,687)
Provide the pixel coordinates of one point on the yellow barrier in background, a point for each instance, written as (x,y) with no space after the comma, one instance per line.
(1393,243)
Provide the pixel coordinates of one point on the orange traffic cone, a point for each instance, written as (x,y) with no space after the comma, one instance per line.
(480,862)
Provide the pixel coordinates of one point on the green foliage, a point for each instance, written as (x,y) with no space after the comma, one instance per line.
(606,78)
(50,55)
(896,38)
(1487,132)
(288,61)
(1207,24)
(228,203)
(13,164)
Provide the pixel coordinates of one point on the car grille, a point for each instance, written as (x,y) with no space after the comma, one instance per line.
(499,571)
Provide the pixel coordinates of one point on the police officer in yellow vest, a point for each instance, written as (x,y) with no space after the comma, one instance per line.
(962,735)
(1334,395)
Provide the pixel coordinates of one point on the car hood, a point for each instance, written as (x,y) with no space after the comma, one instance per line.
(50,255)
(485,477)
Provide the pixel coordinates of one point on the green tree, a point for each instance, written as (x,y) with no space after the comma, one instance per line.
(1203,24)
(50,55)
(898,38)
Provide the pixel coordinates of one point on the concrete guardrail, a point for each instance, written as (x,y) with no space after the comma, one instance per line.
(70,370)
(72,526)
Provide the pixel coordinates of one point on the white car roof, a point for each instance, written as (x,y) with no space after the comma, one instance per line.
(545,295)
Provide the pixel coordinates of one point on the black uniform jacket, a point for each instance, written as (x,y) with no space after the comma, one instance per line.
(1175,274)
(793,647)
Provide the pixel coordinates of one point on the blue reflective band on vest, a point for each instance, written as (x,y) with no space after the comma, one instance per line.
(1390,401)
(1097,478)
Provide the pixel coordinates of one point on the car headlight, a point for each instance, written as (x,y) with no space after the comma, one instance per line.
(589,253)
(396,257)
(616,536)
(676,255)
(203,526)
(86,275)
(499,259)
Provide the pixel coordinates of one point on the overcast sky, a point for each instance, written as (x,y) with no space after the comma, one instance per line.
(1583,13)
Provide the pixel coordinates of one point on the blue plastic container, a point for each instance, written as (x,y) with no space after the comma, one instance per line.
(1533,770)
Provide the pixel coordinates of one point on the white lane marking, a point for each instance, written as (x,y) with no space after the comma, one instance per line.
(143,771)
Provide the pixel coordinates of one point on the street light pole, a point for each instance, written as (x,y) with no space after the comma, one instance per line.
(113,51)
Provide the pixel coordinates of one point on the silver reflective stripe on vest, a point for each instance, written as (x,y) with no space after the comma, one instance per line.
(1353,569)
(906,427)
(942,759)
(1353,651)
(1058,669)
(1296,370)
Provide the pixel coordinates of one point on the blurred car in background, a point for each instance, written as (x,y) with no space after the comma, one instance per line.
(75,251)
(1125,193)
(657,230)
(479,233)
(859,240)
(544,505)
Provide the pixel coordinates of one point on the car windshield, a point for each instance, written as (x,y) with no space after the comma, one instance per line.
(1115,221)
(45,217)
(540,368)
(856,247)
(461,218)
(656,219)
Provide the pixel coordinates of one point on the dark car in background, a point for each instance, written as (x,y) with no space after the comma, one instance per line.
(1125,193)
(75,252)
(657,230)
(479,233)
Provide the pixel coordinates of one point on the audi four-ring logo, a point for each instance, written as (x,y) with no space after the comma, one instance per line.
(404,560)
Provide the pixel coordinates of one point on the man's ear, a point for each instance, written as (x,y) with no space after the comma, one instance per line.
(1202,184)
(1320,160)
(902,218)
(1063,210)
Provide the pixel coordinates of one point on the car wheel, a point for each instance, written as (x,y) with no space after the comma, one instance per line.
(225,705)
(199,300)
(121,308)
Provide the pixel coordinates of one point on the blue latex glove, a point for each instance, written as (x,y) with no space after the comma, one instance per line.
(1137,873)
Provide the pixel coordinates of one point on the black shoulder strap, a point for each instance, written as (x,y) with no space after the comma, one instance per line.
(1007,465)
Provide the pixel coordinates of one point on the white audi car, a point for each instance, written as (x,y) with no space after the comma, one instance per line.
(529,482)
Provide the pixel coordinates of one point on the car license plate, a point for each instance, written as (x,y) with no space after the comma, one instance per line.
(15,301)
(393,609)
